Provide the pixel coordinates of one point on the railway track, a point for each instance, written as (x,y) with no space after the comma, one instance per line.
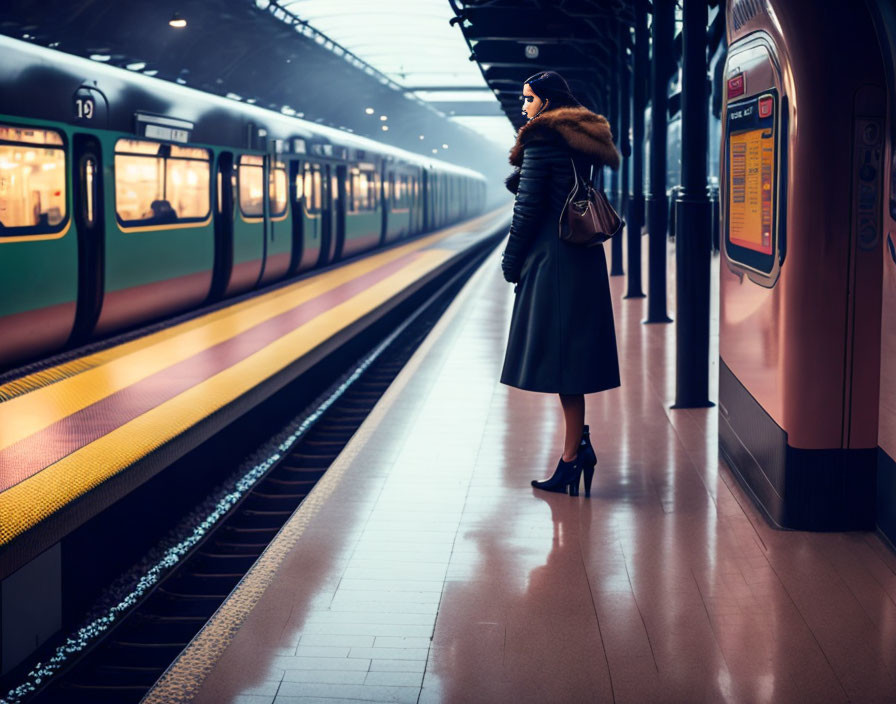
(123,665)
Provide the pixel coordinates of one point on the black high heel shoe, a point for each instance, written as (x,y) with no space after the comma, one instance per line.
(565,478)
(588,459)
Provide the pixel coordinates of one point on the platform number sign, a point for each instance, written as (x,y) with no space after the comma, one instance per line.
(85,107)
(89,107)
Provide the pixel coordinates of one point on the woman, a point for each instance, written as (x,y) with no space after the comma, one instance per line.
(562,339)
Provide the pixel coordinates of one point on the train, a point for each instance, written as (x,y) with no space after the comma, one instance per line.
(126,199)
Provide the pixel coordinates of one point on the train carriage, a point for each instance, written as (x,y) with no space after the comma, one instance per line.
(125,198)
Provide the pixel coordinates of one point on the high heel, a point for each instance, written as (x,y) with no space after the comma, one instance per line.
(589,475)
(589,459)
(565,478)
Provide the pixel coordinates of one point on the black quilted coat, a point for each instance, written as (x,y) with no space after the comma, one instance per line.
(562,337)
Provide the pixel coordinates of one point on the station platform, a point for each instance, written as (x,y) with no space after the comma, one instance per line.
(77,436)
(423,567)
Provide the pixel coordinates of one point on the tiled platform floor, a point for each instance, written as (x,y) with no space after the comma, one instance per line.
(428,570)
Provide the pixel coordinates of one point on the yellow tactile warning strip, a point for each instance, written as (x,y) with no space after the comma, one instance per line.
(32,500)
(182,680)
(85,381)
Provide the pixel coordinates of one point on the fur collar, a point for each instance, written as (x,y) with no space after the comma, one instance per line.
(582,130)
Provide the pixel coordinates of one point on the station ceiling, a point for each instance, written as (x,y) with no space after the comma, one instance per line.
(583,40)
(240,49)
(513,39)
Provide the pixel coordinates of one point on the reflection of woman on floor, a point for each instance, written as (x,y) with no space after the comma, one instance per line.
(562,338)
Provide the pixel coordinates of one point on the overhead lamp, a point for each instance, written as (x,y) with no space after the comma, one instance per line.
(369,111)
(444,146)
(177,21)
(434,151)
(384,117)
(385,128)
(421,136)
(137,66)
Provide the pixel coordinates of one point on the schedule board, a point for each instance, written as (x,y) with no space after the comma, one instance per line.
(751,219)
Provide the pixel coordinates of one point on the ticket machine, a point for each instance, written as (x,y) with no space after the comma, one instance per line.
(800,274)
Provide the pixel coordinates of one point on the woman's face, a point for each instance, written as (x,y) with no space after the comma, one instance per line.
(531,102)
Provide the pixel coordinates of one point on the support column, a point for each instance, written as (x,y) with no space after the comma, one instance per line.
(615,181)
(657,203)
(636,201)
(692,214)
(623,138)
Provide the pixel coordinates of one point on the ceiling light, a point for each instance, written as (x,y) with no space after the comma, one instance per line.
(434,151)
(177,21)
(137,66)
(421,136)
(100,57)
(369,111)
(385,128)
(444,146)
(384,118)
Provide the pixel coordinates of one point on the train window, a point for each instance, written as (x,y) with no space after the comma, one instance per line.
(368,186)
(187,175)
(317,186)
(277,187)
(251,182)
(308,188)
(158,183)
(89,190)
(362,184)
(373,188)
(351,186)
(300,183)
(312,188)
(32,181)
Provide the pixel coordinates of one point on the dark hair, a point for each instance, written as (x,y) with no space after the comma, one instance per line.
(551,86)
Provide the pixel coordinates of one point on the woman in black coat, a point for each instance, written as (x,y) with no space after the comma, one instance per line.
(562,338)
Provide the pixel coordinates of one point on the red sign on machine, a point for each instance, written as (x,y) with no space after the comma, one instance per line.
(736,86)
(765,106)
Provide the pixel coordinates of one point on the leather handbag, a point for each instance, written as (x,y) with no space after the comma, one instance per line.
(589,218)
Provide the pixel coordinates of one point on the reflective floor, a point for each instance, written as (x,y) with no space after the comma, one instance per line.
(427,569)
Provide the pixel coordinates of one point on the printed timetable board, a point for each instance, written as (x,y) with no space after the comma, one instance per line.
(751,213)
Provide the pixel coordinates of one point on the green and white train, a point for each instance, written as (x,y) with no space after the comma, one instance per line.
(125,198)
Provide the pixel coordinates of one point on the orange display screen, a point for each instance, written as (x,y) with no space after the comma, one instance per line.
(751,189)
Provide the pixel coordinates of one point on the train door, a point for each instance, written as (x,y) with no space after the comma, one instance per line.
(297,221)
(278,239)
(341,206)
(308,192)
(384,203)
(223,209)
(249,232)
(425,192)
(90,221)
(326,216)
